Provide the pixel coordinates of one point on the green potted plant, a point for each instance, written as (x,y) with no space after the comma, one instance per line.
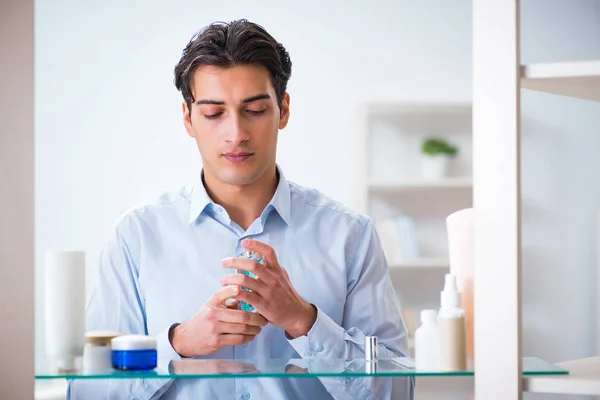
(437,153)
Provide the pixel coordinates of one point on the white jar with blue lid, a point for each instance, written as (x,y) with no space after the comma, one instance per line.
(134,352)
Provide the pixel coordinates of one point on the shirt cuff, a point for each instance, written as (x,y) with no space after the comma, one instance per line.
(165,350)
(324,340)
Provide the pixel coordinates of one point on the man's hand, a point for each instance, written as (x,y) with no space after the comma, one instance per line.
(272,293)
(216,325)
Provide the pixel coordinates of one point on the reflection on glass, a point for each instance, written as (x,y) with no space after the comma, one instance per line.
(285,368)
(210,367)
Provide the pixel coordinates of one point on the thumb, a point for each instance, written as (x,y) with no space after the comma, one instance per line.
(219,298)
(231,304)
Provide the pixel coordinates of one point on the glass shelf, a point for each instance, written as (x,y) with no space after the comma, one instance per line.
(291,368)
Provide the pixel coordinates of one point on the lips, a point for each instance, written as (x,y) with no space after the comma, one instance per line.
(237,157)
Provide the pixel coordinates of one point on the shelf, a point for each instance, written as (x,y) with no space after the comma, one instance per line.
(583,379)
(416,184)
(50,389)
(580,79)
(425,262)
(412,108)
(290,368)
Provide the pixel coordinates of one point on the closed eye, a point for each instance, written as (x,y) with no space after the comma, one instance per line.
(254,112)
(213,116)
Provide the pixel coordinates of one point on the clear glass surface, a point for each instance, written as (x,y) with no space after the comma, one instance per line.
(291,368)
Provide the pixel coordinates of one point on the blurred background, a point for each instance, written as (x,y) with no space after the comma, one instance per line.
(372,83)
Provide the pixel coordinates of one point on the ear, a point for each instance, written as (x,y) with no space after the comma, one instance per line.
(187,119)
(285,111)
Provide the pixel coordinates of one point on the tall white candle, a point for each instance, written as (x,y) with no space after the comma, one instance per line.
(64,307)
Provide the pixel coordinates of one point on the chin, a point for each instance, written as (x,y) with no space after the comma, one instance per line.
(238,178)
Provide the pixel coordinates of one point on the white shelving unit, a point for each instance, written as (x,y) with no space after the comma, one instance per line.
(580,79)
(583,379)
(408,184)
(498,78)
(390,183)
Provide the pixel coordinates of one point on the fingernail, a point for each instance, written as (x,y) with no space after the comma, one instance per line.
(234,290)
(246,242)
(227,260)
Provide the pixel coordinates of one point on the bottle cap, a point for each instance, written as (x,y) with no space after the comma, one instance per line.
(371,352)
(450,297)
(428,316)
(133,342)
(100,338)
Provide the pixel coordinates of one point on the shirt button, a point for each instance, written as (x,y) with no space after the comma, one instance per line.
(319,348)
(307,353)
(245,345)
(245,396)
(348,380)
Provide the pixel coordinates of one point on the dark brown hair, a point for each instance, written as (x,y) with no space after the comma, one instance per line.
(226,45)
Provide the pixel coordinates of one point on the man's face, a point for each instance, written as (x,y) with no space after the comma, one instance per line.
(235,121)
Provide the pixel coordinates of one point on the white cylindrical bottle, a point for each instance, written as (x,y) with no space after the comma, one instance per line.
(452,328)
(64,307)
(427,342)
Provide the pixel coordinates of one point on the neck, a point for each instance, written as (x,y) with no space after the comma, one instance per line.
(243,203)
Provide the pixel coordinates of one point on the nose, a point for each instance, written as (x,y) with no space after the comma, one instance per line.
(236,132)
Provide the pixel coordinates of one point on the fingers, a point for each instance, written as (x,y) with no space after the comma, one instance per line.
(221,296)
(241,317)
(232,304)
(245,264)
(234,339)
(266,251)
(255,285)
(251,298)
(230,327)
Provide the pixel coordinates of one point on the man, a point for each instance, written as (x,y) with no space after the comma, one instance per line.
(170,270)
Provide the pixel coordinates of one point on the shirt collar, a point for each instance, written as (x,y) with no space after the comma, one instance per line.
(200,199)
(281,200)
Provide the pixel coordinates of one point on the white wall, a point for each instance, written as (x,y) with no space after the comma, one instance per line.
(108,124)
(108,130)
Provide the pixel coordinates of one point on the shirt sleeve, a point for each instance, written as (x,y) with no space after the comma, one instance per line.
(371,309)
(116,304)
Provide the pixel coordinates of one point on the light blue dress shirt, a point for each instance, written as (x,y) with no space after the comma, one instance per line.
(163,261)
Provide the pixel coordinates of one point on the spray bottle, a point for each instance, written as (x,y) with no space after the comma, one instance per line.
(452,328)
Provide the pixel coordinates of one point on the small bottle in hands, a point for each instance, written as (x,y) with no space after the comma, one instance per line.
(258,258)
(217,324)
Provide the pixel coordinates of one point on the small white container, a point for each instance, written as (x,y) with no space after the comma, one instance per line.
(97,352)
(427,342)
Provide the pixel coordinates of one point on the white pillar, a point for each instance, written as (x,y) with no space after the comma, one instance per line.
(496,198)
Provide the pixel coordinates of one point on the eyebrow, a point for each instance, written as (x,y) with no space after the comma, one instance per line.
(245,101)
